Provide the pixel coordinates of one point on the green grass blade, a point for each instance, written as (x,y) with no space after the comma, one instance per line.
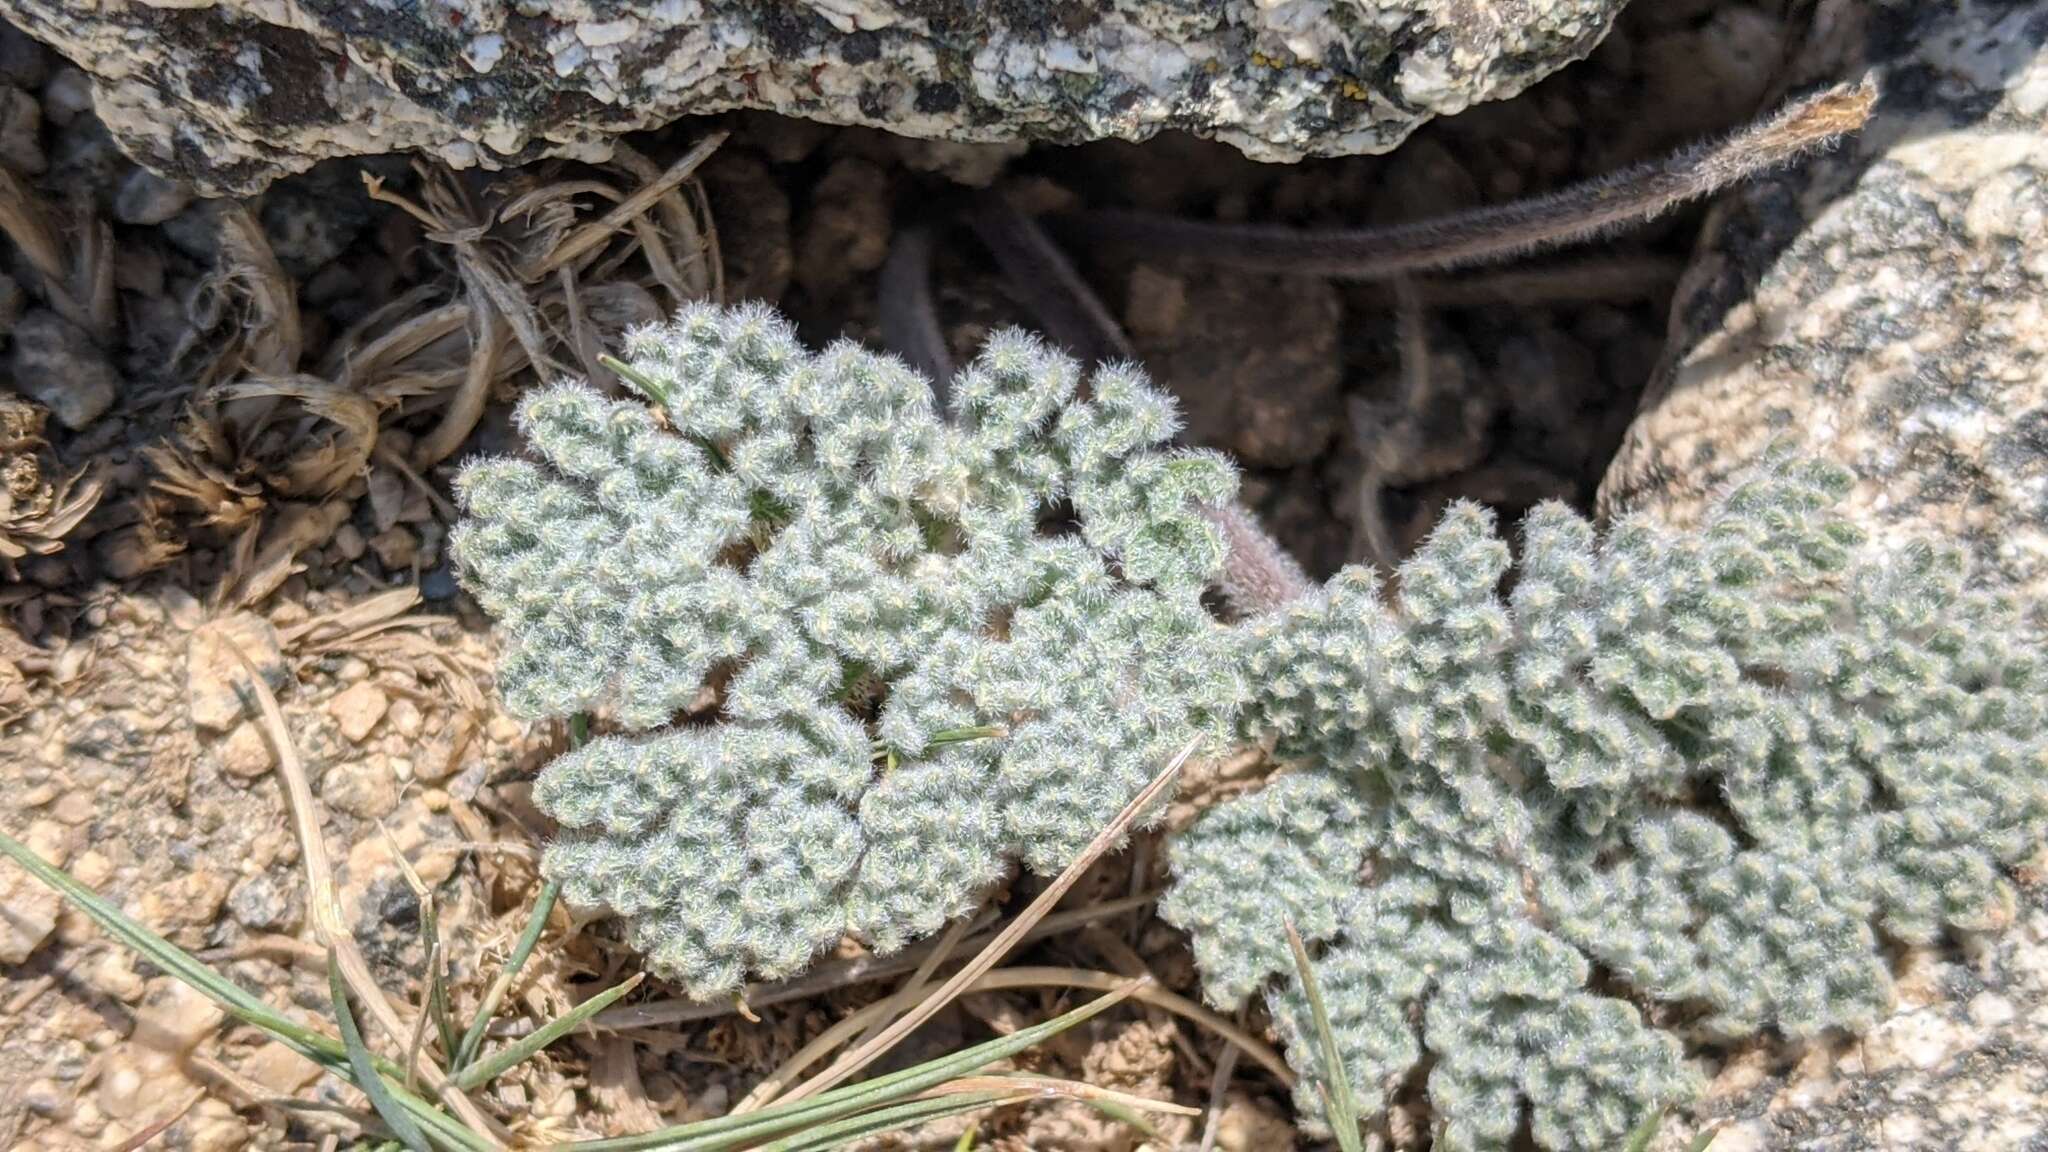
(743,1131)
(169,957)
(840,1133)
(641,382)
(321,1049)
(436,975)
(1639,1140)
(1703,1138)
(514,1054)
(966,1142)
(366,1076)
(536,921)
(1125,1115)
(543,905)
(1338,1103)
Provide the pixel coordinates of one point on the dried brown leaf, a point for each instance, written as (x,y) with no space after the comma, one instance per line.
(264,561)
(249,274)
(191,480)
(80,289)
(332,432)
(36,511)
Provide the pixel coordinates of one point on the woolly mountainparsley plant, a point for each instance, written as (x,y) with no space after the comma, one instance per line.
(916,677)
(1706,772)
(859,656)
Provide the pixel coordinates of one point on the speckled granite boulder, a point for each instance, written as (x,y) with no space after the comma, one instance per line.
(229,94)
(1886,306)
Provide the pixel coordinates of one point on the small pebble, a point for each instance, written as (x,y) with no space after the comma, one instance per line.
(74,808)
(313,218)
(45,1098)
(439,583)
(144,197)
(347,543)
(357,709)
(395,548)
(367,791)
(92,868)
(84,160)
(175,1017)
(196,231)
(215,678)
(115,977)
(56,364)
(187,905)
(280,1069)
(67,96)
(247,753)
(261,904)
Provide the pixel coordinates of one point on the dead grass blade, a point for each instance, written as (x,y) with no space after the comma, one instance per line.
(692,279)
(92,279)
(466,406)
(332,629)
(835,975)
(249,276)
(1010,979)
(360,358)
(325,908)
(1582,211)
(1006,940)
(382,631)
(37,512)
(197,483)
(597,232)
(26,221)
(452,220)
(265,559)
(311,465)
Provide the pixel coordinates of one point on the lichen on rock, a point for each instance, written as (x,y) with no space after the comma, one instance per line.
(499,82)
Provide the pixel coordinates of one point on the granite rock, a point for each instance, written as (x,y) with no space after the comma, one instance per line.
(498,82)
(1885,306)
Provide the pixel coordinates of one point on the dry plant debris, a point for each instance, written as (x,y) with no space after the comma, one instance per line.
(38,506)
(546,270)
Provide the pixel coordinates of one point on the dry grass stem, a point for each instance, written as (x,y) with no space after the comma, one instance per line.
(249,281)
(1579,212)
(1219,1088)
(907,995)
(909,315)
(1011,979)
(36,511)
(264,561)
(597,232)
(466,406)
(325,908)
(1047,1087)
(1005,941)
(833,976)
(1047,283)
